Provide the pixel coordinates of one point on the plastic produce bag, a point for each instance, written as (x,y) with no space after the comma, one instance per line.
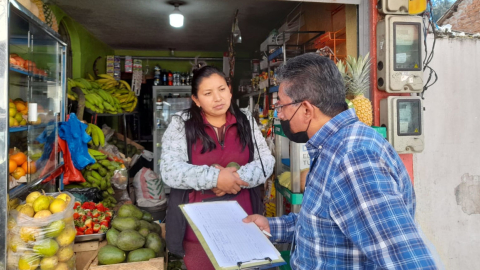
(86,194)
(44,240)
(120,179)
(149,188)
(70,173)
(73,131)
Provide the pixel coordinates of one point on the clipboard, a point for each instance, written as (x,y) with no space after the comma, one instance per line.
(248,263)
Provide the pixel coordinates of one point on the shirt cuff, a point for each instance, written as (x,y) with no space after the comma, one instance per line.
(277,228)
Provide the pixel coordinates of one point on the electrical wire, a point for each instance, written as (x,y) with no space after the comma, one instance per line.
(429,57)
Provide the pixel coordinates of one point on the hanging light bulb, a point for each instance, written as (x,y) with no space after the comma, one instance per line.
(176,17)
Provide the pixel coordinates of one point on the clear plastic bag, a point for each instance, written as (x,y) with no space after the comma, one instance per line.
(45,239)
(109,132)
(120,179)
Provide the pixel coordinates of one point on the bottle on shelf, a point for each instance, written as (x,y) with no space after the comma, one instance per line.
(170,78)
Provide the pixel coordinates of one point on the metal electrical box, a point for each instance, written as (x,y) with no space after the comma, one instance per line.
(403,117)
(402,7)
(399,54)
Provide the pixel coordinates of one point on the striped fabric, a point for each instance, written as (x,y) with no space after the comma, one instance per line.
(358,207)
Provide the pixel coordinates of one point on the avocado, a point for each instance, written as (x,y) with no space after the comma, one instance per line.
(112,236)
(145,224)
(155,227)
(111,255)
(139,255)
(144,232)
(147,216)
(130,240)
(233,164)
(125,223)
(154,242)
(130,210)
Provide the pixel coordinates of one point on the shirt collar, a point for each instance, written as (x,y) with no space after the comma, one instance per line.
(331,127)
(231,119)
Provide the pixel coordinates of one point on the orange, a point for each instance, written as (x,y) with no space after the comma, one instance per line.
(20,106)
(29,168)
(12,165)
(19,172)
(19,158)
(24,112)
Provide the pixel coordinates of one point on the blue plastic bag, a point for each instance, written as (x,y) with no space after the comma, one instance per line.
(73,132)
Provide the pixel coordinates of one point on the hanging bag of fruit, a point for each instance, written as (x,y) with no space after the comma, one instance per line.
(41,233)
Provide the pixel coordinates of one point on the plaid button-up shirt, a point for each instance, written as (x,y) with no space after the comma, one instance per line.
(358,207)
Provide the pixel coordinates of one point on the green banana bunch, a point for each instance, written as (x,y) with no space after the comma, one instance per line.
(97,135)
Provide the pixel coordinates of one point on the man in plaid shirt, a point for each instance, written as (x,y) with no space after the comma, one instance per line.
(359,205)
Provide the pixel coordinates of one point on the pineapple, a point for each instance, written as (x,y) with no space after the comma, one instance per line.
(39,5)
(356,76)
(50,18)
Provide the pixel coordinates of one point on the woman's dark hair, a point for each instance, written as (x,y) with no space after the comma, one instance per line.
(195,127)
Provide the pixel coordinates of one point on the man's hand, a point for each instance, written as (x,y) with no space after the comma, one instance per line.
(260,221)
(228,181)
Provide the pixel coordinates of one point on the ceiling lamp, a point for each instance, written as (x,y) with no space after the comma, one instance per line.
(176,17)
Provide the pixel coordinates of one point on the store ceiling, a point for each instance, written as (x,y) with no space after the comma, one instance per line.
(144,25)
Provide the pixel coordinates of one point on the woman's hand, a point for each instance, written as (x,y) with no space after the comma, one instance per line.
(228,182)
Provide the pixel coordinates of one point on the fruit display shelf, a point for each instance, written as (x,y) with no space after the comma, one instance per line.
(24,72)
(24,128)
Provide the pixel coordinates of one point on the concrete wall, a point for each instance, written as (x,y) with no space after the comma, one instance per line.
(452,149)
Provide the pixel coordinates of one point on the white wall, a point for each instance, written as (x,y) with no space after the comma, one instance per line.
(452,149)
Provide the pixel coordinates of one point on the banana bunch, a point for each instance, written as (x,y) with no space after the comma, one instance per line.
(99,175)
(120,90)
(98,138)
(271,210)
(71,95)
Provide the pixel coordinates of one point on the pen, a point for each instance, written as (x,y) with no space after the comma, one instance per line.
(266,233)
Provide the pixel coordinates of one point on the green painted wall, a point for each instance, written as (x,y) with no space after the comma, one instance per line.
(85,46)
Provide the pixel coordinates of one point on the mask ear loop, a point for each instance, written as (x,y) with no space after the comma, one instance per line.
(256,145)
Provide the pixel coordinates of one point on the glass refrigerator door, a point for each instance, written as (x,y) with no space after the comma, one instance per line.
(45,99)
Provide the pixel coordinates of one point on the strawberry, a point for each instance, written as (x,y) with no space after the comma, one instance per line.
(108,213)
(96,228)
(100,207)
(95,213)
(79,232)
(89,223)
(76,205)
(89,231)
(76,215)
(105,223)
(88,213)
(103,229)
(80,226)
(83,218)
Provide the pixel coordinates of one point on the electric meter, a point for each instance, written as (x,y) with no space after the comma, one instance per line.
(403,118)
(399,54)
(404,7)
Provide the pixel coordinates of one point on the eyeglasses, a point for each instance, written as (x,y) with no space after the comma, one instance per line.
(278,108)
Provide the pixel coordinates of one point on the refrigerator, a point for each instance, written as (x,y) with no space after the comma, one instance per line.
(167,100)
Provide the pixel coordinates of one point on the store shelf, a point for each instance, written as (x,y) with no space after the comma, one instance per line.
(18,190)
(292,198)
(275,54)
(252,94)
(23,72)
(273,89)
(24,128)
(109,114)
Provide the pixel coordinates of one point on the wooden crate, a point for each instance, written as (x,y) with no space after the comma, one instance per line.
(129,141)
(152,264)
(86,253)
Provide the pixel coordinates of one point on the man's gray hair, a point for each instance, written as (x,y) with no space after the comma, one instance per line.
(316,79)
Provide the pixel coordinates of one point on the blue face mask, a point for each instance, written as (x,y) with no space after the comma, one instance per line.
(299,137)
